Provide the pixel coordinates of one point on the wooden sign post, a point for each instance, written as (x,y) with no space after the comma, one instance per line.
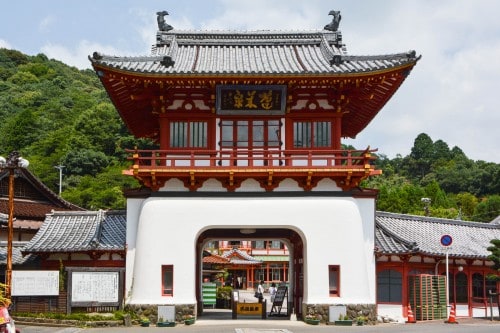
(279,298)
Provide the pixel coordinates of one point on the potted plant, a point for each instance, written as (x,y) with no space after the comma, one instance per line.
(223,298)
(361,320)
(162,323)
(343,321)
(189,319)
(144,322)
(312,319)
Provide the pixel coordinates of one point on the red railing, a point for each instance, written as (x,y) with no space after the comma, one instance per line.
(160,159)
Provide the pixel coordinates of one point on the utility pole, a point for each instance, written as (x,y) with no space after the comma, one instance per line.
(60,167)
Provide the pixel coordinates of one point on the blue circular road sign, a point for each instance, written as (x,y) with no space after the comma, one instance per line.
(446,240)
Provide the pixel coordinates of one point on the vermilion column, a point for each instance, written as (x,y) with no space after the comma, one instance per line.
(164,132)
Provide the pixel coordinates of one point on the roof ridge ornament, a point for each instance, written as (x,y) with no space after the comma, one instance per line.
(334,25)
(162,24)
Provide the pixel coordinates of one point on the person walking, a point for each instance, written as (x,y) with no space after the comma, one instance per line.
(272,291)
(260,291)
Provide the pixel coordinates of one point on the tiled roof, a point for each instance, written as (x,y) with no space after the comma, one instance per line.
(32,200)
(398,233)
(202,60)
(272,258)
(35,196)
(238,257)
(80,232)
(215,259)
(251,52)
(17,257)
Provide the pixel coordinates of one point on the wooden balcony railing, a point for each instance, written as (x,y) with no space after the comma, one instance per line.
(346,167)
(192,159)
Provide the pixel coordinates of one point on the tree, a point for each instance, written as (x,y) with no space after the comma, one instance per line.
(85,162)
(495,257)
(421,156)
(488,209)
(467,204)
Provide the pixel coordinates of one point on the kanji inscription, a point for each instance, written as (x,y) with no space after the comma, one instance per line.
(244,99)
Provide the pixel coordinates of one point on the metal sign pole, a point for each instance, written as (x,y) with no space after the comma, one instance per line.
(446,241)
(447,284)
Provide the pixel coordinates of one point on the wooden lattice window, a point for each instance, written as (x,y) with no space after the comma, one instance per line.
(312,134)
(188,134)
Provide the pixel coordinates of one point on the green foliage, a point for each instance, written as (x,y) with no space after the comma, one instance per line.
(80,316)
(104,191)
(495,256)
(457,186)
(488,209)
(58,115)
(84,161)
(224,293)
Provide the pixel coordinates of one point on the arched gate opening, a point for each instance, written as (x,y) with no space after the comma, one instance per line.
(293,240)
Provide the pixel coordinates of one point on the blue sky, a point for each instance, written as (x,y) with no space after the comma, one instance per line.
(450,95)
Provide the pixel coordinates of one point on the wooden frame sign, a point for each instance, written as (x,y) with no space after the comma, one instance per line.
(249,309)
(95,286)
(35,283)
(251,99)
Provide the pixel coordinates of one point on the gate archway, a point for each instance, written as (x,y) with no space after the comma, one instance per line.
(293,240)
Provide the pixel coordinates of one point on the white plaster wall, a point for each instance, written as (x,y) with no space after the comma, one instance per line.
(391,311)
(133,212)
(338,235)
(163,231)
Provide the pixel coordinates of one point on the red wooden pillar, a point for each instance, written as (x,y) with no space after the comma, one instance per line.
(164,132)
(337,131)
(252,274)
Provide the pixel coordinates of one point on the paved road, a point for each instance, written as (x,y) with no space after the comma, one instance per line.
(285,326)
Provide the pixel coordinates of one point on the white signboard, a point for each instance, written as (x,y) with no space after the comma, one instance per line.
(94,287)
(35,283)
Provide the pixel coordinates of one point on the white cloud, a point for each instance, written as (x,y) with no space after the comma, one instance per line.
(78,56)
(4,44)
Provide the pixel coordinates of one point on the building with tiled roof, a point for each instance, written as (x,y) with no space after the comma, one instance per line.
(209,58)
(19,261)
(94,235)
(249,126)
(406,234)
(32,201)
(408,247)
(91,244)
(238,257)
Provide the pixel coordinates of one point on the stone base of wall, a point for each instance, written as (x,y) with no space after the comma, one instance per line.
(150,311)
(369,311)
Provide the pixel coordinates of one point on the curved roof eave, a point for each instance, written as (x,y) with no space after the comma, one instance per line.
(146,75)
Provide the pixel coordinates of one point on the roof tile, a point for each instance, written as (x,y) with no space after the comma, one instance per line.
(398,233)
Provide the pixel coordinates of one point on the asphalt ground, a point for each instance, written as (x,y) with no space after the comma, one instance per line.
(284,326)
